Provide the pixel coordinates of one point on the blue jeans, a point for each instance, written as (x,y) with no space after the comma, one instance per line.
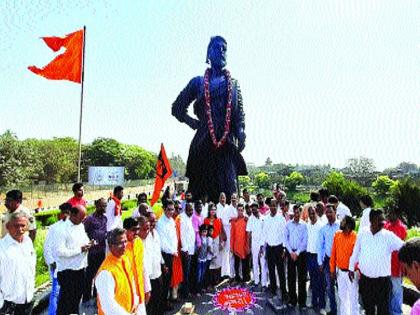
(201,272)
(396,296)
(55,289)
(317,282)
(330,285)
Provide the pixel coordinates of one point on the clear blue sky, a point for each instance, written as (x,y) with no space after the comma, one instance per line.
(322,81)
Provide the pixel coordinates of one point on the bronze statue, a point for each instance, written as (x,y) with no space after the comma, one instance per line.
(214,159)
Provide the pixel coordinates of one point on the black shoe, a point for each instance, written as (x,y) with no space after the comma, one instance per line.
(331,313)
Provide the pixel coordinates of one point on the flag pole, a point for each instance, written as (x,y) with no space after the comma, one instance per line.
(81,106)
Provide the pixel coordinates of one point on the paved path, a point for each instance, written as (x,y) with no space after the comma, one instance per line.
(203,306)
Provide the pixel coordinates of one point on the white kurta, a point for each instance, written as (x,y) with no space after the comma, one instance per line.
(226,213)
(256,227)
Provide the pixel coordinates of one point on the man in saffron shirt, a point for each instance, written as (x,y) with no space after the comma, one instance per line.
(395,225)
(117,292)
(135,253)
(239,245)
(342,249)
(77,199)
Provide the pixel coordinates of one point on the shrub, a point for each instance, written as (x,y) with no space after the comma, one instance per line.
(42,273)
(382,185)
(294,179)
(405,195)
(348,191)
(262,180)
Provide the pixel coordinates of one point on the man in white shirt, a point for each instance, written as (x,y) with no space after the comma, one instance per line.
(49,256)
(320,211)
(341,209)
(153,262)
(169,247)
(117,293)
(274,228)
(72,245)
(226,213)
(246,198)
(113,210)
(13,203)
(366,203)
(373,250)
(187,247)
(255,230)
(17,267)
(318,289)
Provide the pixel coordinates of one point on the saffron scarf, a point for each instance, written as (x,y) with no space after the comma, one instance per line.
(118,209)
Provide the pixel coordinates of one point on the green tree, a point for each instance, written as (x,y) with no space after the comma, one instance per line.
(382,184)
(268,162)
(104,152)
(360,169)
(244,181)
(58,158)
(138,163)
(406,196)
(177,164)
(293,180)
(18,162)
(348,191)
(262,180)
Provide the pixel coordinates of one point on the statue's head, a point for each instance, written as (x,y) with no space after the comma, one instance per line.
(217,52)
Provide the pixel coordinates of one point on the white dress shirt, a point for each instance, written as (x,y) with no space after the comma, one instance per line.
(313,233)
(274,229)
(49,247)
(70,239)
(113,221)
(105,285)
(365,221)
(187,234)
(255,226)
(167,233)
(373,252)
(342,211)
(226,213)
(152,255)
(17,270)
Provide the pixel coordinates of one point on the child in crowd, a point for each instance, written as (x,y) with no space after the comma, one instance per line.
(210,255)
(202,257)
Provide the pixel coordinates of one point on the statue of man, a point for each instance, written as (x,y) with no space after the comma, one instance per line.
(214,159)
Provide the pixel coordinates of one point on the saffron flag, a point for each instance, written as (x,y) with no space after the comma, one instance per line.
(68,65)
(163,172)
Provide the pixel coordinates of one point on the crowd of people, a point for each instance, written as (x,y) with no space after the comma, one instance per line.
(144,263)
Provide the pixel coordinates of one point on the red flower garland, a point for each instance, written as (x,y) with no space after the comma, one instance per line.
(221,142)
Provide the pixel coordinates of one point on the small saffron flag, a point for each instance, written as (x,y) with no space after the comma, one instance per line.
(163,172)
(68,65)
